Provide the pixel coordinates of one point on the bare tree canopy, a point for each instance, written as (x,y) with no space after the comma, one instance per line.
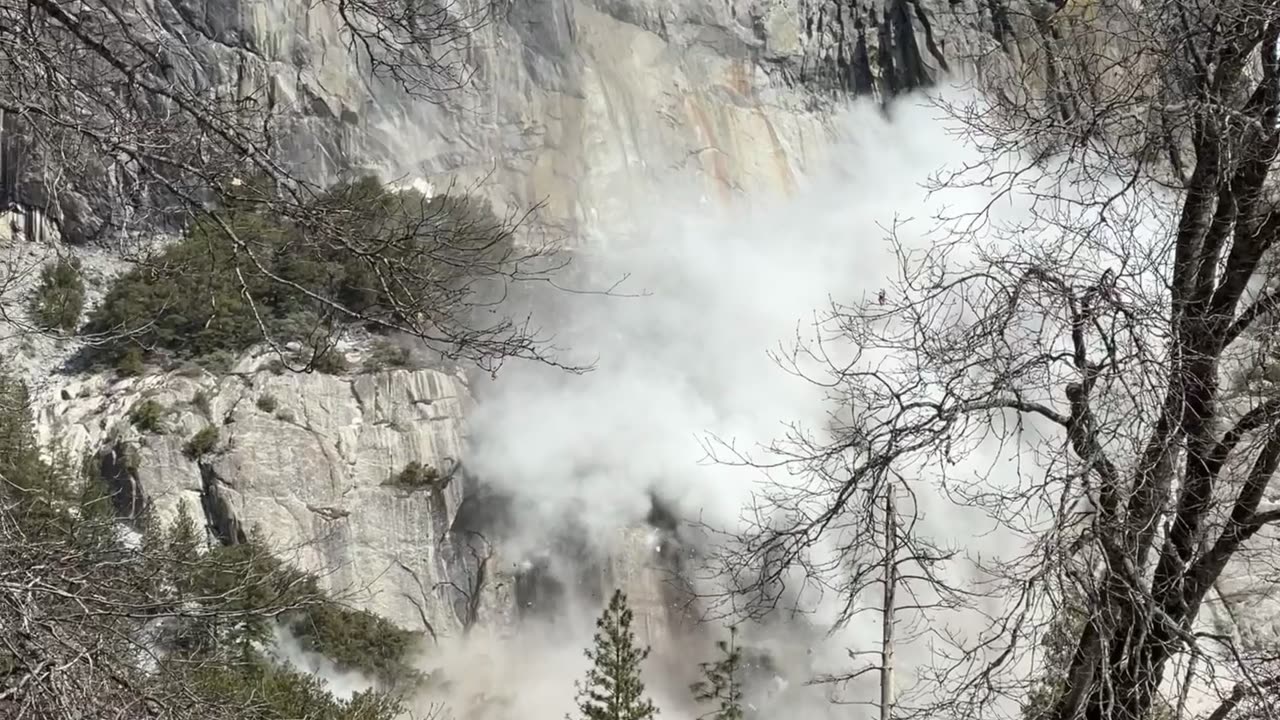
(1121,336)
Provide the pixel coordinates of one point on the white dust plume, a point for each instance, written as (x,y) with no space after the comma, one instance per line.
(682,353)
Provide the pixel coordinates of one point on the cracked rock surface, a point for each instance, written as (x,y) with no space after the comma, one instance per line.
(315,474)
(583,105)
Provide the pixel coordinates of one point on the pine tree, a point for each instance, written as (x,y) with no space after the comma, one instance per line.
(613,689)
(720,684)
(184,539)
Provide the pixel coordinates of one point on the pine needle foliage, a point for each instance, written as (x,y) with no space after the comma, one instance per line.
(612,689)
(720,685)
(164,628)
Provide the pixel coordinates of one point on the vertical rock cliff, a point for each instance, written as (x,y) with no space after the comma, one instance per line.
(585,108)
(578,104)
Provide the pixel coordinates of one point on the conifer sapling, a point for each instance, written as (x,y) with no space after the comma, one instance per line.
(720,684)
(612,689)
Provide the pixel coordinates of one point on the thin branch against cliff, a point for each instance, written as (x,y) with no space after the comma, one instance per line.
(421,47)
(476,566)
(422,602)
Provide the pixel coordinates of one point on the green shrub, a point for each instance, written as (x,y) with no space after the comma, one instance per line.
(20,456)
(201,296)
(59,297)
(202,443)
(356,640)
(188,299)
(276,691)
(285,415)
(200,400)
(329,361)
(247,575)
(385,355)
(129,363)
(416,476)
(148,416)
(267,403)
(218,361)
(218,604)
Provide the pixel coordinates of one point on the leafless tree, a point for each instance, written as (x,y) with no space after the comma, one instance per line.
(122,118)
(1113,348)
(475,553)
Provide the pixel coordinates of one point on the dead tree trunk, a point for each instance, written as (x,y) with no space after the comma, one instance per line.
(890,581)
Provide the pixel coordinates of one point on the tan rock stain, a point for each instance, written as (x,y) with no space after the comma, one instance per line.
(710,156)
(781,159)
(739,79)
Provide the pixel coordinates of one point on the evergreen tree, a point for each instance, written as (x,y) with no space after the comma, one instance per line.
(720,684)
(613,689)
(184,539)
(93,598)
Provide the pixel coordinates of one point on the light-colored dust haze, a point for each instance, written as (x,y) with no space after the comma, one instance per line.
(682,349)
(682,353)
(286,647)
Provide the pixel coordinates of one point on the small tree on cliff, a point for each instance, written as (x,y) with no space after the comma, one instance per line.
(612,689)
(91,623)
(720,684)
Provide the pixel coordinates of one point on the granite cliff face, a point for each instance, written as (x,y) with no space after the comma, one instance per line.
(309,460)
(590,108)
(586,108)
(315,463)
(580,104)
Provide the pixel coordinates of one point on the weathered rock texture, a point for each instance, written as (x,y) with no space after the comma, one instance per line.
(586,106)
(309,460)
(313,462)
(578,103)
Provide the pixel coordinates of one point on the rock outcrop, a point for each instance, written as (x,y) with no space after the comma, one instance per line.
(311,461)
(317,465)
(585,107)
(580,104)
